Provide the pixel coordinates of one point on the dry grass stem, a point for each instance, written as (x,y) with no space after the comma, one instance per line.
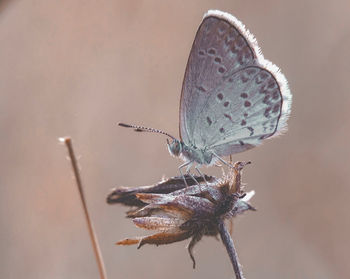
(101,268)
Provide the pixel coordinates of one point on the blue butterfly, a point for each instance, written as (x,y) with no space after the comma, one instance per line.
(232,97)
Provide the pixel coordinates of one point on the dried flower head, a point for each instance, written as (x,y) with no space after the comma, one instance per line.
(178,212)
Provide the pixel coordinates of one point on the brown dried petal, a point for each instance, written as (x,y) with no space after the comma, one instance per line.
(188,205)
(157,223)
(148,210)
(165,238)
(241,207)
(129,241)
(124,195)
(155,198)
(210,191)
(127,195)
(236,177)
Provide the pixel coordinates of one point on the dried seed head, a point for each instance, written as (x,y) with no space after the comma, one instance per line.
(178,212)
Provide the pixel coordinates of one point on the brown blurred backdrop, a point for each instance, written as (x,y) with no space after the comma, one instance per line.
(78,67)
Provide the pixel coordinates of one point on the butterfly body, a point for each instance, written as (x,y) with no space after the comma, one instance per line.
(190,153)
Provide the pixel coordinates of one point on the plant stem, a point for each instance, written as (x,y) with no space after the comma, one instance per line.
(230,248)
(95,245)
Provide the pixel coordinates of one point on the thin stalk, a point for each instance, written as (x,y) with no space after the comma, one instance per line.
(95,245)
(230,248)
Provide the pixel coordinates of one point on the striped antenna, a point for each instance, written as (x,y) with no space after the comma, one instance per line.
(145,129)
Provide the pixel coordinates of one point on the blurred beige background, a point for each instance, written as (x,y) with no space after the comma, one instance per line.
(78,67)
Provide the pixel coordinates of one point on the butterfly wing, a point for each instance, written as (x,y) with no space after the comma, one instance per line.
(232,97)
(245,109)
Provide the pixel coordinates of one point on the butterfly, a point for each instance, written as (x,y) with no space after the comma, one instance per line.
(232,97)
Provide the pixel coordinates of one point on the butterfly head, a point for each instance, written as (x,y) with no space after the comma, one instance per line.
(175,147)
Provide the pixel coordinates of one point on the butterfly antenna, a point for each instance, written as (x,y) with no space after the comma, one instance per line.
(145,129)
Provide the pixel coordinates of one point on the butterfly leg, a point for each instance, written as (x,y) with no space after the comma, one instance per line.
(190,174)
(201,174)
(222,160)
(188,165)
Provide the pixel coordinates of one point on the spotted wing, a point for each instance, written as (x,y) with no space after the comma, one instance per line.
(226,102)
(245,109)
